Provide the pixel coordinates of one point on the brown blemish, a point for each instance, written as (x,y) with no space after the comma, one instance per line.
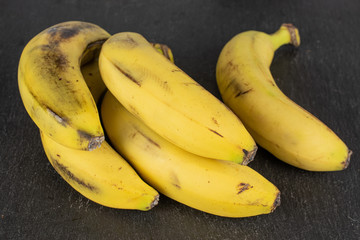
(62,120)
(117,186)
(69,30)
(128,76)
(243,187)
(276,202)
(130,40)
(175,180)
(148,138)
(347,160)
(215,132)
(249,156)
(154,202)
(242,93)
(94,141)
(176,70)
(215,121)
(58,155)
(133,110)
(68,174)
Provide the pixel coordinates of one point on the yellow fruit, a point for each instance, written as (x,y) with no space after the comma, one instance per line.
(278,124)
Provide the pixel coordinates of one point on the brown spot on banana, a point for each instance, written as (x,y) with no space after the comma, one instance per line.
(347,160)
(249,156)
(276,202)
(67,31)
(215,132)
(215,121)
(62,120)
(154,202)
(128,76)
(68,174)
(243,187)
(175,180)
(148,138)
(94,141)
(242,93)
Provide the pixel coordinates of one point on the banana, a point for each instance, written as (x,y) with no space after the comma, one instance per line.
(52,87)
(101,175)
(277,123)
(218,187)
(170,102)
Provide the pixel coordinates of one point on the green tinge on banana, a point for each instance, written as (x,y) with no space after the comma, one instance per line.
(278,124)
(53,89)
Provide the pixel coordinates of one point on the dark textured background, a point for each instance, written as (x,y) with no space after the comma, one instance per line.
(323,76)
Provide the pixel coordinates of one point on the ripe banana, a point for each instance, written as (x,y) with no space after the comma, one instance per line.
(53,89)
(278,124)
(170,102)
(218,187)
(101,175)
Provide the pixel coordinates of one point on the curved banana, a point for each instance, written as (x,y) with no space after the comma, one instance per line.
(101,175)
(276,123)
(170,102)
(53,89)
(218,187)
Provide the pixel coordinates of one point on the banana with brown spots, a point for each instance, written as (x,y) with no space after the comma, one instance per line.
(218,187)
(170,102)
(278,124)
(52,87)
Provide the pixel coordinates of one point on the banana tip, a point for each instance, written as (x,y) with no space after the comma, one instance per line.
(249,156)
(276,202)
(347,160)
(154,202)
(95,142)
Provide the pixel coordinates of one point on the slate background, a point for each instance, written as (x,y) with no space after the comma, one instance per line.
(322,76)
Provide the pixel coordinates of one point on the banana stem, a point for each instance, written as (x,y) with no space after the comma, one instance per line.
(287,34)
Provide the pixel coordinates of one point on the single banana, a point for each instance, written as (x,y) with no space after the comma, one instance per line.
(170,102)
(278,124)
(101,175)
(218,187)
(53,89)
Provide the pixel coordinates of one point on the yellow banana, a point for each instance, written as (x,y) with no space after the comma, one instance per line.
(53,89)
(218,187)
(278,124)
(170,102)
(101,175)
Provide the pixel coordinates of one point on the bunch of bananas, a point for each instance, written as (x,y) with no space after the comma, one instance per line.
(170,135)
